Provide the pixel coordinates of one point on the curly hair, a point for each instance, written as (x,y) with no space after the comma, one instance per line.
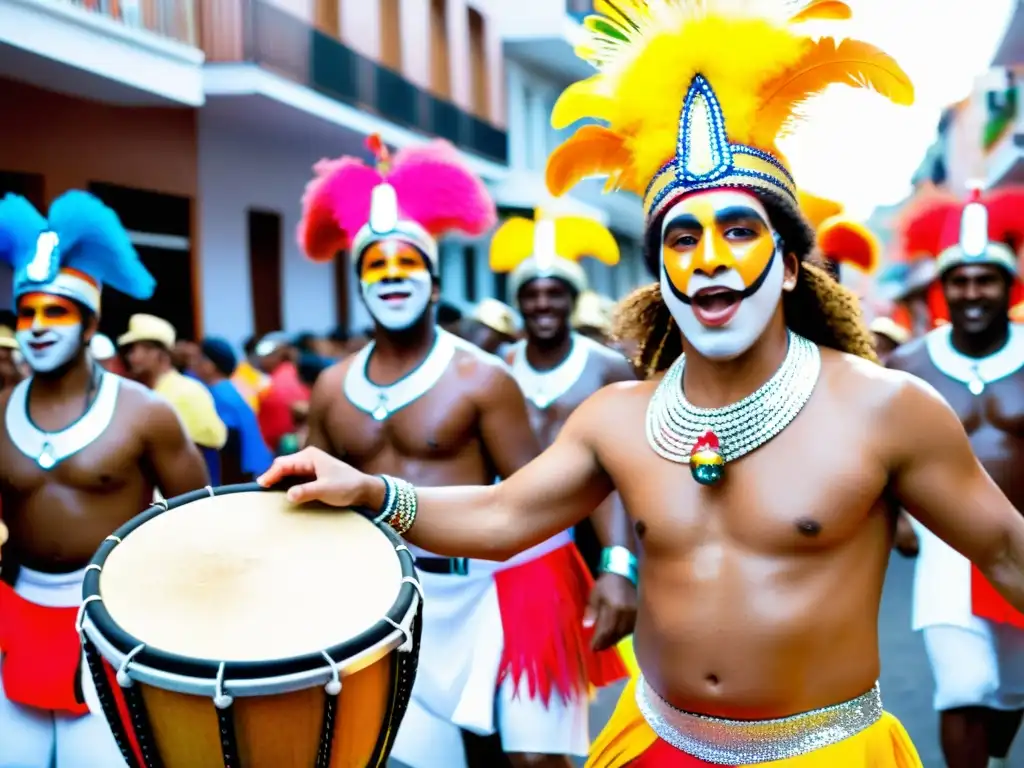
(818,308)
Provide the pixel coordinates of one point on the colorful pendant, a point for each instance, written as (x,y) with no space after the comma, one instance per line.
(706,463)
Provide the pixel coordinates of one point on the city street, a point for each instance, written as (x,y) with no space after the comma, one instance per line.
(906,679)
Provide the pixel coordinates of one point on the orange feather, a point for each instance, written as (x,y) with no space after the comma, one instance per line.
(848,241)
(851,62)
(822,10)
(591,151)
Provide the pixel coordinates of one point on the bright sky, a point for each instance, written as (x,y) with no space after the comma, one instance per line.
(862,150)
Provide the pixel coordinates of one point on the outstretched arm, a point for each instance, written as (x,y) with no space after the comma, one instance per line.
(176,462)
(551,493)
(941,483)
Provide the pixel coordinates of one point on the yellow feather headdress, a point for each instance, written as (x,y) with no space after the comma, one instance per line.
(840,238)
(740,69)
(550,246)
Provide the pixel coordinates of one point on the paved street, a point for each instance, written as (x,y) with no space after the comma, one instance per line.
(906,679)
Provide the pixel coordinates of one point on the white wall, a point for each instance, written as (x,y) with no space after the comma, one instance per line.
(238,172)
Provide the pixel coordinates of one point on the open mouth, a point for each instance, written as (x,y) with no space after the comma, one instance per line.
(395,296)
(974,312)
(716,306)
(39,346)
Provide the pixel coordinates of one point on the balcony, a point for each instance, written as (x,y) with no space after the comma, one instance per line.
(256,32)
(543,35)
(137,52)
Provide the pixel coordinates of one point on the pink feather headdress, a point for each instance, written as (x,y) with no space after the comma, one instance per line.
(417,195)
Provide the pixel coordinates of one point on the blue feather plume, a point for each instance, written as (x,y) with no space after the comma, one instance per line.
(20,225)
(93,241)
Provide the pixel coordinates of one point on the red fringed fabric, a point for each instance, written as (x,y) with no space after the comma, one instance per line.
(542,604)
(42,654)
(988,604)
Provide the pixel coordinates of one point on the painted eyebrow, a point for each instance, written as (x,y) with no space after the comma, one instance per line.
(738,213)
(683,221)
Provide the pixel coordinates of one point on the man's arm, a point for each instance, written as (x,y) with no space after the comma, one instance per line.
(941,483)
(327,386)
(177,463)
(551,493)
(611,523)
(505,423)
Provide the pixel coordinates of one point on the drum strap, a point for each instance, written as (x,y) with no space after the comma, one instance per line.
(404,674)
(323,754)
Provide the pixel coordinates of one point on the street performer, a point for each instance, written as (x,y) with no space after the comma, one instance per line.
(80,455)
(757,470)
(974,638)
(558,369)
(503,647)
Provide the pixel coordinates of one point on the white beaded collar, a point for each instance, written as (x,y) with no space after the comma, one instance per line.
(382,401)
(48,449)
(975,372)
(542,388)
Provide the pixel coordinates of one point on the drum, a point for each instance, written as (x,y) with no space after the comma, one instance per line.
(229,629)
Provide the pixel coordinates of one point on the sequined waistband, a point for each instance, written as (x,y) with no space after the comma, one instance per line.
(749,742)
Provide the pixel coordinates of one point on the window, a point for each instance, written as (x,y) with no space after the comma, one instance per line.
(478,69)
(265,254)
(440,66)
(391,34)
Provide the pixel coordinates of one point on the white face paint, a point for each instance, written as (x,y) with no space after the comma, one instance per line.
(49,330)
(722,271)
(396,283)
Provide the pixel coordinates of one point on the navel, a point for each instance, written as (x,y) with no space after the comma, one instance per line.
(711,679)
(432,445)
(808,527)
(640,528)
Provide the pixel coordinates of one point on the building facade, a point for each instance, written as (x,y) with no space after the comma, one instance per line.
(199,122)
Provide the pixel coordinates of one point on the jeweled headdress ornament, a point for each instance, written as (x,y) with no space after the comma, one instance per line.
(416,195)
(550,246)
(74,251)
(695,94)
(840,239)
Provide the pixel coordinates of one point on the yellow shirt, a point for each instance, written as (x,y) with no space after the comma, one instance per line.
(195,408)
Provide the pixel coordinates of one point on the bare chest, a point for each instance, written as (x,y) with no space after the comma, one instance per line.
(106,464)
(548,421)
(437,426)
(809,488)
(1000,405)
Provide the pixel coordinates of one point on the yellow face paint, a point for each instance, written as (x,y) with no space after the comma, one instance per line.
(714,234)
(391,259)
(37,311)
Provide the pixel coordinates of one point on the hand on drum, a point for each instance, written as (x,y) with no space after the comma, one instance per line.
(611,610)
(330,480)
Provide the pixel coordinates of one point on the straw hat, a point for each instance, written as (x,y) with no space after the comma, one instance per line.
(497,316)
(148,328)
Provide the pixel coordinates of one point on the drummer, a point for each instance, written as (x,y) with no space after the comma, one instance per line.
(452,414)
(107,441)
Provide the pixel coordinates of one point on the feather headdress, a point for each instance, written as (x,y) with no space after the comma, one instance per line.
(550,247)
(694,94)
(417,195)
(840,238)
(987,229)
(80,247)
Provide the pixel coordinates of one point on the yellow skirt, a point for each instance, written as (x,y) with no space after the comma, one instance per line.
(627,740)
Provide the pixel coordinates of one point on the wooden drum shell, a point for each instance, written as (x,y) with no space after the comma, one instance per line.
(158,727)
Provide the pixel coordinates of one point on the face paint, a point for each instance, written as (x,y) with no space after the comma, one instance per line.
(396,283)
(722,270)
(49,330)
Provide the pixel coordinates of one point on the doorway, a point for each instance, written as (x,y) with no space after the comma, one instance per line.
(160,229)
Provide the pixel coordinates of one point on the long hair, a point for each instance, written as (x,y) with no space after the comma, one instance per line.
(818,308)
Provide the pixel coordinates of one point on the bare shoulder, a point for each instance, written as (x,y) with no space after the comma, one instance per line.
(479,370)
(332,378)
(627,400)
(891,400)
(153,413)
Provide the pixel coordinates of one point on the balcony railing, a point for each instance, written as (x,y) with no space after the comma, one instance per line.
(579,9)
(277,40)
(175,19)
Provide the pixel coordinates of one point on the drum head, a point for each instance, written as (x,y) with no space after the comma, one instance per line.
(249,577)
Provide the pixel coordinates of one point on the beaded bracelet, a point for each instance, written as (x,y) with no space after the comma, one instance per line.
(621,562)
(399,508)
